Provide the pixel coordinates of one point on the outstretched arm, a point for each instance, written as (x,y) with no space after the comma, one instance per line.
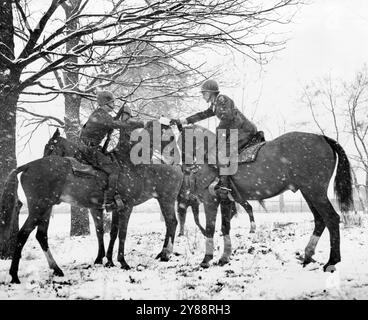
(200,116)
(128,124)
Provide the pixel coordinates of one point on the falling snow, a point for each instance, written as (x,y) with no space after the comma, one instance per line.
(264,265)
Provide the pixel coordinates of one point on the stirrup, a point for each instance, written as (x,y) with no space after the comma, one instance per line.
(119,202)
(224,188)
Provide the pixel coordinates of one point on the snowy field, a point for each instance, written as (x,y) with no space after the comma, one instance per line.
(263,265)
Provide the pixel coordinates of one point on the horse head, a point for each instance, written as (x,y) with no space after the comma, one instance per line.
(198,145)
(54,145)
(187,190)
(59,146)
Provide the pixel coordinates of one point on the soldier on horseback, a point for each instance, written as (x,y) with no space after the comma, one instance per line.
(99,124)
(230,118)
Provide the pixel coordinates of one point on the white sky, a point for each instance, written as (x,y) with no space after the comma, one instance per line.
(326,36)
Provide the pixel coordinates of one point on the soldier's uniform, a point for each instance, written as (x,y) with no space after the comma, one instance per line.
(98,125)
(230,118)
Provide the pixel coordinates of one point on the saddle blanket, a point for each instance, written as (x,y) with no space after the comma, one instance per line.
(249,154)
(81,169)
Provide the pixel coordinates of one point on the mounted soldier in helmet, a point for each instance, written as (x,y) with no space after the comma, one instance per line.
(230,118)
(99,124)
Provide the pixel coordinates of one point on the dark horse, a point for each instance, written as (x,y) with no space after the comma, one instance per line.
(293,161)
(51,180)
(187,199)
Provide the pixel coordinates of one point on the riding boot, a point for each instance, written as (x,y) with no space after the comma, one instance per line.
(223,186)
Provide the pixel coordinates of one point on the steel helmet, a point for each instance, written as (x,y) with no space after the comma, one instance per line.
(210,86)
(104,97)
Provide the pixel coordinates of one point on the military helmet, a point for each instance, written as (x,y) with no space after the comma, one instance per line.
(105,97)
(210,86)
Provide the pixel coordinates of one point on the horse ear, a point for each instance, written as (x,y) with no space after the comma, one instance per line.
(56,134)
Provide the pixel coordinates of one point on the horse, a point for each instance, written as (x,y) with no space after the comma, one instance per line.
(50,180)
(293,161)
(186,199)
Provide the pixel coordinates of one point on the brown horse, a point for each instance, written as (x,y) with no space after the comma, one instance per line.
(51,180)
(293,161)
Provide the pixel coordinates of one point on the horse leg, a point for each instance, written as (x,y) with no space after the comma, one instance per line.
(319,227)
(42,239)
(248,208)
(182,213)
(22,237)
(113,235)
(123,217)
(331,219)
(97,215)
(210,209)
(195,210)
(226,211)
(168,211)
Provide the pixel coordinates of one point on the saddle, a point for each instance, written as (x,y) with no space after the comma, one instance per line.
(81,169)
(248,153)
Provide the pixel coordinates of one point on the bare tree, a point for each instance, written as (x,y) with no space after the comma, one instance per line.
(338,109)
(41,36)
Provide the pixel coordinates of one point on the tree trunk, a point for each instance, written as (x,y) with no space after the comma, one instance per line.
(358,194)
(365,208)
(79,216)
(282,203)
(9,79)
(8,161)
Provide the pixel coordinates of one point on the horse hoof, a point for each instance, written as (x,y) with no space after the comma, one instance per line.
(58,273)
(15,280)
(329,268)
(109,264)
(163,256)
(223,261)
(124,266)
(205,265)
(252,228)
(307,260)
(98,261)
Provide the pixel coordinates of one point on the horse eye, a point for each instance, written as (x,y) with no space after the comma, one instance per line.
(52,147)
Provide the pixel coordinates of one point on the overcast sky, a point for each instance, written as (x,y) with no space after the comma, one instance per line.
(326,37)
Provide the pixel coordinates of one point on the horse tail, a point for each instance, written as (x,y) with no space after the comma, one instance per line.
(9,202)
(197,222)
(343,179)
(263,205)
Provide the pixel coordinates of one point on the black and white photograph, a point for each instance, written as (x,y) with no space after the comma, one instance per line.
(203,151)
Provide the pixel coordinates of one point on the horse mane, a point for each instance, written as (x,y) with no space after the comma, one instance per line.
(197,126)
(181,141)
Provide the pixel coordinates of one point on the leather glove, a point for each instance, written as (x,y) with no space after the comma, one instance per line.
(175,122)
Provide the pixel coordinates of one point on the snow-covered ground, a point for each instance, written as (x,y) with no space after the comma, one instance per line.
(263,265)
